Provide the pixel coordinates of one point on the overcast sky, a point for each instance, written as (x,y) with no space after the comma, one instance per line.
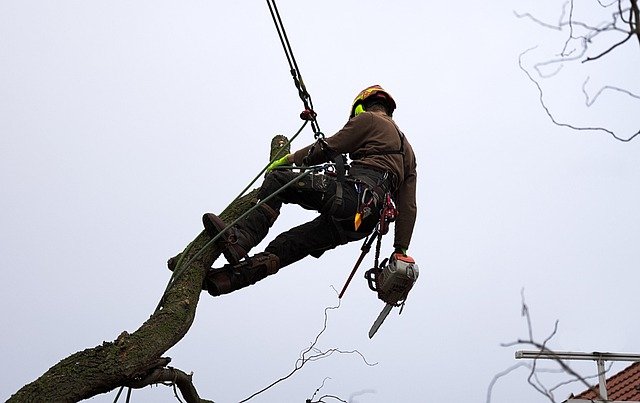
(121,122)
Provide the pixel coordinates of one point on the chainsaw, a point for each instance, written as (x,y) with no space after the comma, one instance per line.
(392,281)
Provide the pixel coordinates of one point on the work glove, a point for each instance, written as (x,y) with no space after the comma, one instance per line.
(402,251)
(275,164)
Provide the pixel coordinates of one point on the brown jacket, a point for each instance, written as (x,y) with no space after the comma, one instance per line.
(362,138)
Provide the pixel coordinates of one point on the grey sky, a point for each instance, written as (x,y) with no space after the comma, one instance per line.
(122,122)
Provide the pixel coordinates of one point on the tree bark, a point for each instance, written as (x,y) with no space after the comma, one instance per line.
(135,357)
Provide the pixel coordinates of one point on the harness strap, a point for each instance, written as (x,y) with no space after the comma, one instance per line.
(337,200)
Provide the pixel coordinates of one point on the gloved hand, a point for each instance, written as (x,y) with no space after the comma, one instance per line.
(275,164)
(402,251)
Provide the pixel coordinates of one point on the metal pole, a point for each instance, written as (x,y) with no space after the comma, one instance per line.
(569,355)
(602,381)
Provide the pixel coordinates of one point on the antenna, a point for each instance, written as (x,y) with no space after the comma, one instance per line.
(598,357)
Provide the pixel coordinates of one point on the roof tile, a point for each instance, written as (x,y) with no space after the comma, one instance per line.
(623,386)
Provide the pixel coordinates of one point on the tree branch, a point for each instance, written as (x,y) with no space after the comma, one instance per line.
(590,101)
(130,357)
(589,59)
(305,358)
(553,119)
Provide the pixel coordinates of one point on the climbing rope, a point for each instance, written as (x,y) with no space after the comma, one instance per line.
(308,114)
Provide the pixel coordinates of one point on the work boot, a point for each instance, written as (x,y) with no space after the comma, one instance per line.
(234,277)
(239,239)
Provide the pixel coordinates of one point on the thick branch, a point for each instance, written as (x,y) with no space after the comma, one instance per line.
(110,365)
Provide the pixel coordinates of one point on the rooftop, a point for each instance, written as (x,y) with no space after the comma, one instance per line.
(623,386)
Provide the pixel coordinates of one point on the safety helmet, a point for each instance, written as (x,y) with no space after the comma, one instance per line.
(374,92)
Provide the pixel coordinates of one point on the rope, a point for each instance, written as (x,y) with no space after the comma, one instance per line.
(304,95)
(118,395)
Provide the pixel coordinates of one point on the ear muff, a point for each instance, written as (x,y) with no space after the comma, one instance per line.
(358,109)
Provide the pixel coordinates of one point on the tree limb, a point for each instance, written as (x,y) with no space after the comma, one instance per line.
(124,361)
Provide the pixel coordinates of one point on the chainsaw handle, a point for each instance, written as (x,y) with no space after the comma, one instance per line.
(370,275)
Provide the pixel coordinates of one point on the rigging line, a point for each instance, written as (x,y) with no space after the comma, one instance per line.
(293,64)
(293,59)
(284,46)
(118,395)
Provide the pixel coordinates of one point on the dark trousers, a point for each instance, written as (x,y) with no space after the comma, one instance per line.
(334,226)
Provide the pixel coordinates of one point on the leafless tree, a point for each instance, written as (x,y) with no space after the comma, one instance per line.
(585,42)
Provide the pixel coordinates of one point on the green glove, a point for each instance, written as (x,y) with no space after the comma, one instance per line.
(275,164)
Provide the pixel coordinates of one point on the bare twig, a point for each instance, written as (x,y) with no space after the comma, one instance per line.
(316,356)
(593,31)
(318,390)
(321,400)
(553,119)
(533,378)
(557,27)
(590,59)
(511,369)
(590,101)
(608,5)
(564,49)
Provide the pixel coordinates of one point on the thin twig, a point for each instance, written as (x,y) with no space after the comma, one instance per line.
(606,52)
(590,101)
(553,119)
(305,358)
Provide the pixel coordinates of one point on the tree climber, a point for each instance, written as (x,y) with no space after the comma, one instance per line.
(349,206)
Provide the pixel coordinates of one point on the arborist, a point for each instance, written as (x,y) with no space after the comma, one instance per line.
(349,203)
